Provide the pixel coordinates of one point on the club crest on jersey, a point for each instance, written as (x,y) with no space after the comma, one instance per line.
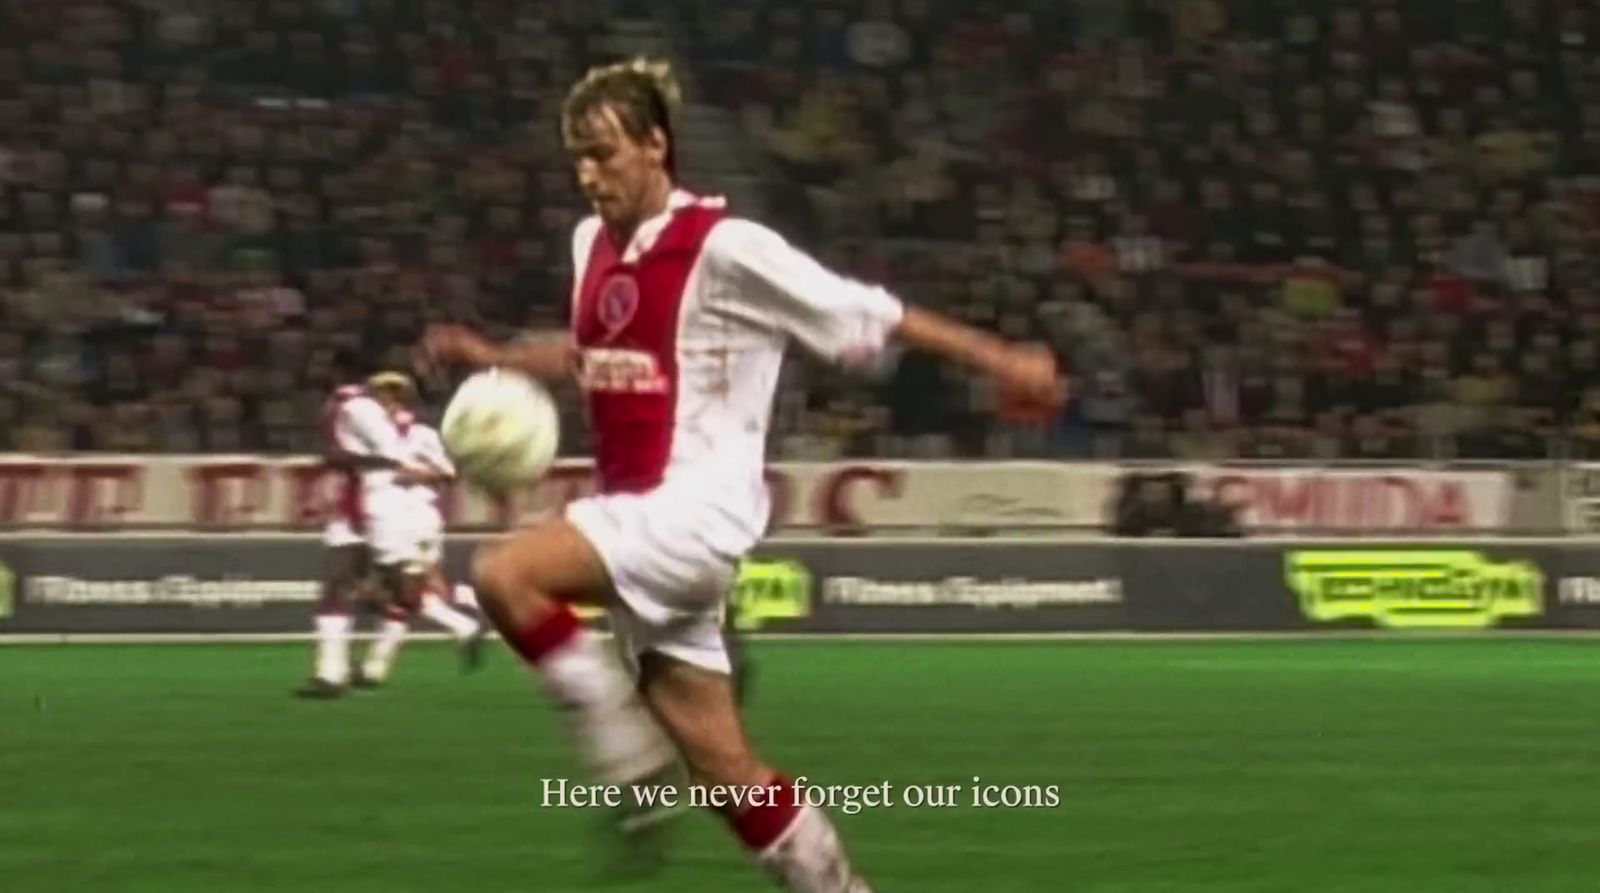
(617,302)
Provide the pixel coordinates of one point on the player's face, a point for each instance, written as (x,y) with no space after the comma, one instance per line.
(389,399)
(619,176)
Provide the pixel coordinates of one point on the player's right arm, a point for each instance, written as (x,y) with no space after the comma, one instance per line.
(545,356)
(432,458)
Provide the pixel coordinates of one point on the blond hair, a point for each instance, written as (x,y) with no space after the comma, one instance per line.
(644,93)
(401,385)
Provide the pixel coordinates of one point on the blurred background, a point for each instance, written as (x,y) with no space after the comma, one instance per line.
(1253,228)
(1351,243)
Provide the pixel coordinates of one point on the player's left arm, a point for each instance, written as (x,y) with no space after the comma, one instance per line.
(434,461)
(373,426)
(345,460)
(857,325)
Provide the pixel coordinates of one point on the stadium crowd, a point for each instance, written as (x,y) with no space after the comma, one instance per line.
(1254,228)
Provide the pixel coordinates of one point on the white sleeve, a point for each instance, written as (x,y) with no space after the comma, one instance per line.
(764,280)
(375,430)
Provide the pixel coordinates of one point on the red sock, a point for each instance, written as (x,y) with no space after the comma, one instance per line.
(761,826)
(550,632)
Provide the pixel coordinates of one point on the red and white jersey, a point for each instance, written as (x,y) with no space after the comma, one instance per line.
(682,334)
(424,447)
(357,424)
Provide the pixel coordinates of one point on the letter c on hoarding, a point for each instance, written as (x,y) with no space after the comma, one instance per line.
(835,502)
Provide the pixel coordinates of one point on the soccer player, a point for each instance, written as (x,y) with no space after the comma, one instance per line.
(681,313)
(410,537)
(365,449)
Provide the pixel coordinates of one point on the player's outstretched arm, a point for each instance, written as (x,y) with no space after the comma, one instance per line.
(425,475)
(547,359)
(433,466)
(850,323)
(1027,373)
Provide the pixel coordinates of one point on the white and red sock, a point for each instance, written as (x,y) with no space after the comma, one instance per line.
(619,739)
(392,635)
(458,623)
(797,844)
(333,648)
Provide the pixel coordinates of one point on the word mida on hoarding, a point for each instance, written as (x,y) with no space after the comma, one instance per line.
(1349,500)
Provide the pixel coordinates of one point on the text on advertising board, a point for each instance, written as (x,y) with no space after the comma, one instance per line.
(1367,500)
(1581,497)
(1006,593)
(1431,589)
(841,498)
(253,493)
(168,590)
(771,590)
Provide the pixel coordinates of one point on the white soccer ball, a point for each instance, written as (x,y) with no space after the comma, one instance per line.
(502,430)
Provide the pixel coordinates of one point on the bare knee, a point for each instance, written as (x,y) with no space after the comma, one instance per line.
(506,589)
(526,575)
(494,573)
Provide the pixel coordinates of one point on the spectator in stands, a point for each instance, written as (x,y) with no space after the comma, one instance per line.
(1166,504)
(1382,216)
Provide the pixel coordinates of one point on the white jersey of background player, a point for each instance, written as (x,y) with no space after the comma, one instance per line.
(408,539)
(426,448)
(359,426)
(364,444)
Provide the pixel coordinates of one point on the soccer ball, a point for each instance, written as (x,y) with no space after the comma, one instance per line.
(502,430)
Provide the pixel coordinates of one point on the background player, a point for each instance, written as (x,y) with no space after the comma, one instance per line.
(416,535)
(681,315)
(365,450)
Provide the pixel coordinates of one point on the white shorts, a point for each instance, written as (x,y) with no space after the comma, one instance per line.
(413,540)
(673,558)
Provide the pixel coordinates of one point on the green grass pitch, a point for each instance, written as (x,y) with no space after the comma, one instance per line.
(1308,766)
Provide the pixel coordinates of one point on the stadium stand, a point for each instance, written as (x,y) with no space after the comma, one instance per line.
(1252,230)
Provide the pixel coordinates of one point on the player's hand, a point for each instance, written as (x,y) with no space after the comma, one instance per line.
(406,473)
(446,344)
(1027,378)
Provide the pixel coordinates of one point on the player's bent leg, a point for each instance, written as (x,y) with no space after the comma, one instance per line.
(528,575)
(404,585)
(795,843)
(343,567)
(438,606)
(527,584)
